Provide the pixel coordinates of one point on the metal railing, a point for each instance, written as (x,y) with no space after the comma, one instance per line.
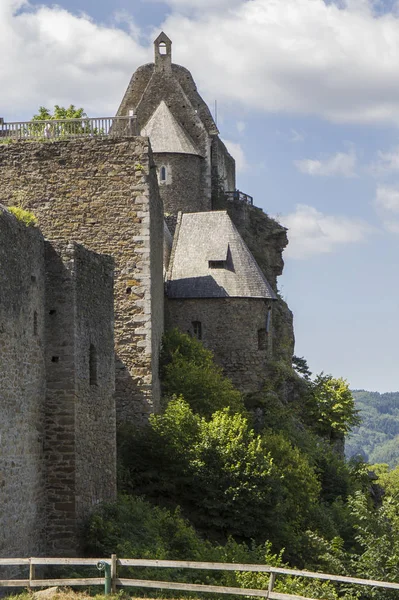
(111,580)
(239,196)
(55,129)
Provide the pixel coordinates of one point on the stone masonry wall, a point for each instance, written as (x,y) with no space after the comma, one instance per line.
(80,449)
(22,389)
(95,417)
(182,190)
(100,193)
(60,448)
(266,239)
(57,432)
(230,329)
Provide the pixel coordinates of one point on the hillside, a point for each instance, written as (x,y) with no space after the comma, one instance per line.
(377,438)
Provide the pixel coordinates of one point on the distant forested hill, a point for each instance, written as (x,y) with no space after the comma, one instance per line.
(377,438)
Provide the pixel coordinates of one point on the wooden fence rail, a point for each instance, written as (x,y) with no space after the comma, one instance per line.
(111,580)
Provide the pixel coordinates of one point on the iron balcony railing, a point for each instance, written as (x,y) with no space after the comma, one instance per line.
(239,196)
(67,128)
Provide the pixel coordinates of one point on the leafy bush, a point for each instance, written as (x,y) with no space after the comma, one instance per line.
(228,480)
(188,370)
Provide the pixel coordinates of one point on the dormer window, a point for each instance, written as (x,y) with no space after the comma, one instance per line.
(217,264)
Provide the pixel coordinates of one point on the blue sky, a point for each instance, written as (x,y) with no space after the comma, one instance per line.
(308,103)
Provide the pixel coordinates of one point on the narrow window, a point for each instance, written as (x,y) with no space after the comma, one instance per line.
(162,176)
(197,329)
(93,365)
(268,319)
(35,323)
(217,264)
(262,339)
(162,48)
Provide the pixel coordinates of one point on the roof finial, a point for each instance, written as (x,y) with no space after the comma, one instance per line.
(163,52)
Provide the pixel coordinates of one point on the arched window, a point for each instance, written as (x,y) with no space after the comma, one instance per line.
(93,365)
(162,174)
(35,323)
(162,48)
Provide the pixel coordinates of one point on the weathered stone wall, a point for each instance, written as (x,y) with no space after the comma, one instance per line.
(99,192)
(230,329)
(223,168)
(60,446)
(176,87)
(22,388)
(266,239)
(95,415)
(53,301)
(182,189)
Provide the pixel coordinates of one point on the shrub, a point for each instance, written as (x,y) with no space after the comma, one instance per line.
(25,216)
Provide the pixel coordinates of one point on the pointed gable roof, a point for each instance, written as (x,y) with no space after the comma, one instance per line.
(166,134)
(211,260)
(163,38)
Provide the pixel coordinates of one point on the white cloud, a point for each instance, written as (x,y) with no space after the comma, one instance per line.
(387,199)
(237,153)
(48,56)
(311,232)
(202,5)
(386,204)
(336,60)
(340,164)
(340,62)
(387,162)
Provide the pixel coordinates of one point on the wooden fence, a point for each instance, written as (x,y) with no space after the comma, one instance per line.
(111,580)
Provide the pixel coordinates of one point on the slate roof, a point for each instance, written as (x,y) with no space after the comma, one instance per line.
(211,236)
(166,134)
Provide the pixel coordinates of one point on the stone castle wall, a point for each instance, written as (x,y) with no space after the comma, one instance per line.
(266,239)
(55,301)
(230,329)
(80,405)
(103,194)
(22,385)
(182,189)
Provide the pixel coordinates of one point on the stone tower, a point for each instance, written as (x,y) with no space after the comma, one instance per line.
(188,153)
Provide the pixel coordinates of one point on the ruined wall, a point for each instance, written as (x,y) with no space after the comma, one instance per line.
(53,302)
(60,447)
(223,169)
(99,192)
(22,388)
(80,444)
(182,189)
(230,329)
(95,415)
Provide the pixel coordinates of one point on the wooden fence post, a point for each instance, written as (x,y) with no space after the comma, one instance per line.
(113,573)
(271,582)
(32,572)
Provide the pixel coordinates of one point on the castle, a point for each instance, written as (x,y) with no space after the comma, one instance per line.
(154,222)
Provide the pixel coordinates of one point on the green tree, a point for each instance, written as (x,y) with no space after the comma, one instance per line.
(331,407)
(188,370)
(59,112)
(228,480)
(60,129)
